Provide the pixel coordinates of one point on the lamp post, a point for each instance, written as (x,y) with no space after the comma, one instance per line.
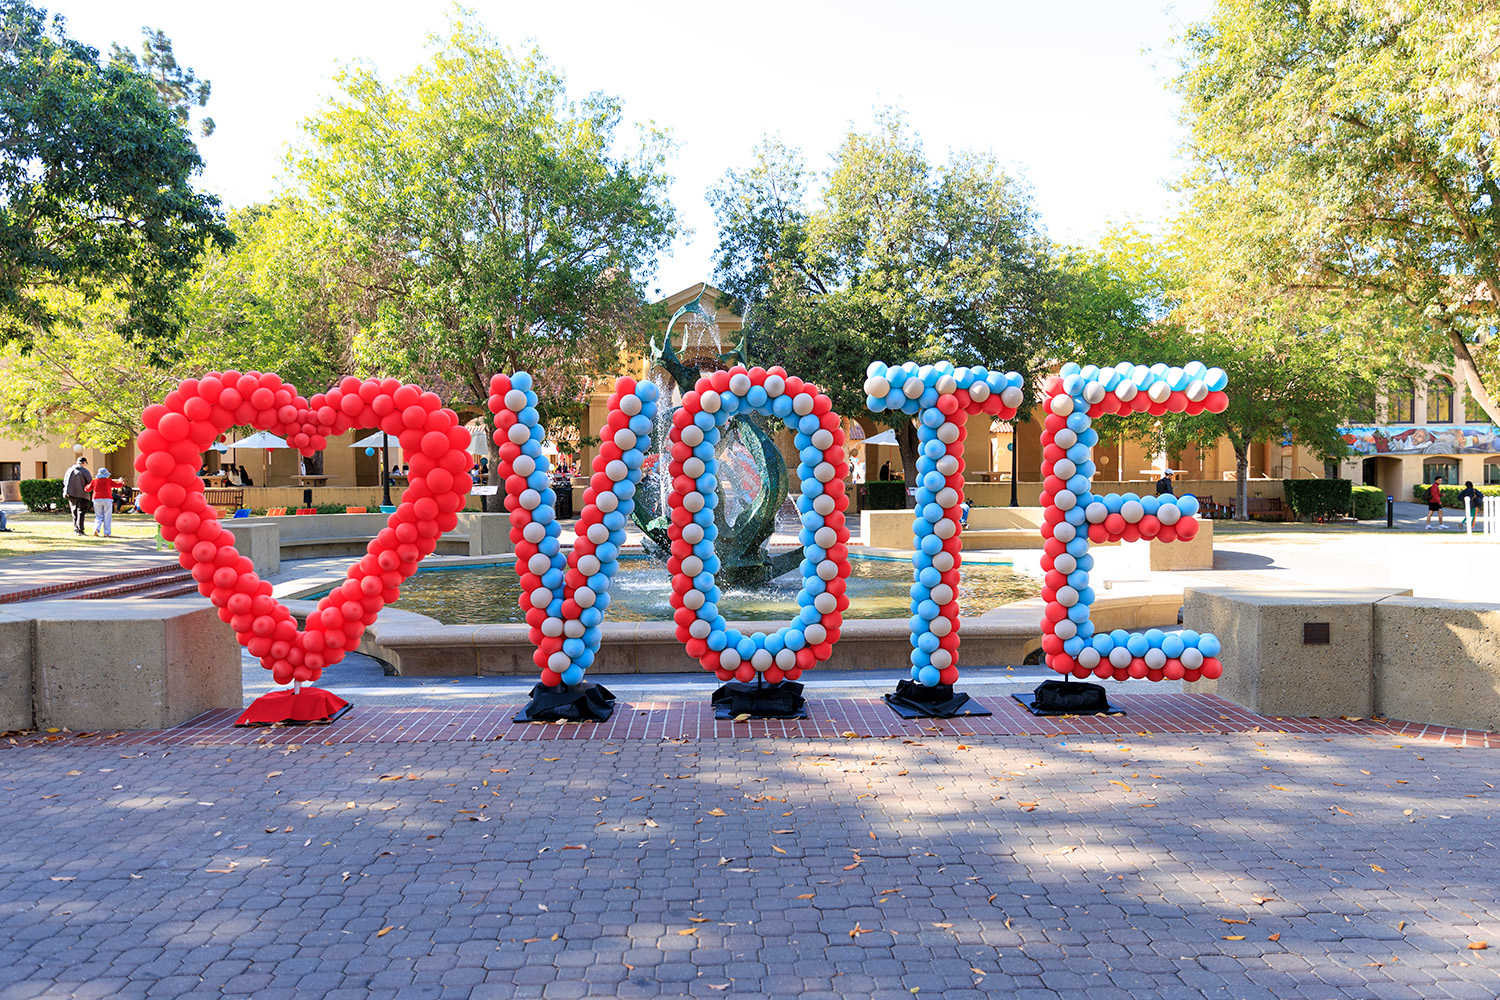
(1014,502)
(385,469)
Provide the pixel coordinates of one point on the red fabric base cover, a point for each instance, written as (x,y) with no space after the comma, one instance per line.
(309,706)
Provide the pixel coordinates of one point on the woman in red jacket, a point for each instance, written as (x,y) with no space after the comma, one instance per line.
(102,489)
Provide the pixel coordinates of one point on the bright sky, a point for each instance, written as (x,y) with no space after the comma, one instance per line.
(1071,96)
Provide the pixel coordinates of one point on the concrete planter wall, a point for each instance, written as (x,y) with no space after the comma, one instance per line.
(268,540)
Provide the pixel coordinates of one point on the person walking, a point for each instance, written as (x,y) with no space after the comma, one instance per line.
(102,487)
(1475,500)
(1164,485)
(1435,503)
(76,491)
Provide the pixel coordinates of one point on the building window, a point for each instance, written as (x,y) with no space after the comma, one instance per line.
(1401,404)
(1492,473)
(1440,467)
(1440,401)
(10,470)
(1473,412)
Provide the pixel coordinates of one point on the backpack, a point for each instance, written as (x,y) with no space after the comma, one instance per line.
(74,481)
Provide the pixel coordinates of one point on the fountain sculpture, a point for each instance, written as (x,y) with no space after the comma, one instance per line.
(754,487)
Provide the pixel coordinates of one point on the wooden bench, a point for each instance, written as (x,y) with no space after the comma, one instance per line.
(1270,508)
(226,499)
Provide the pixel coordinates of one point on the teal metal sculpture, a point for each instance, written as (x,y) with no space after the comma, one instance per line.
(744,525)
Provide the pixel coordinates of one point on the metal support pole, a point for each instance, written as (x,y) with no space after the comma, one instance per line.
(1390,511)
(385,468)
(1014,502)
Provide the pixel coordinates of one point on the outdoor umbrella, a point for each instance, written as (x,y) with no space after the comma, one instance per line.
(259,440)
(884,437)
(383,441)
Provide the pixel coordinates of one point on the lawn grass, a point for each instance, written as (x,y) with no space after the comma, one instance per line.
(34,534)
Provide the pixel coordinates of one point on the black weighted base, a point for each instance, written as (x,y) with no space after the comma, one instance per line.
(782,700)
(918,701)
(1067,698)
(586,702)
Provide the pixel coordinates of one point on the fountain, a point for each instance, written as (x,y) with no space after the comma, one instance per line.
(753,488)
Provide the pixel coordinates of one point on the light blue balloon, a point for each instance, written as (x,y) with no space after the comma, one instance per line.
(1189,638)
(521,380)
(929,676)
(1078,421)
(1208,645)
(1188,504)
(572,675)
(1172,646)
(1074,646)
(1103,643)
(927,642)
(1150,504)
(1138,644)
(1155,636)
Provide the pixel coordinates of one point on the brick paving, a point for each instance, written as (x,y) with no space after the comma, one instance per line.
(1095,866)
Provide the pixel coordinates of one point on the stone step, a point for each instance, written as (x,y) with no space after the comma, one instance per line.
(88,585)
(141,585)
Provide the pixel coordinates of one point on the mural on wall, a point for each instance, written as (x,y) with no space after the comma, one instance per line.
(1406,439)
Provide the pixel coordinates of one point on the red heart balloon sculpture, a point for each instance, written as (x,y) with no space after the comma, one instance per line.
(185,424)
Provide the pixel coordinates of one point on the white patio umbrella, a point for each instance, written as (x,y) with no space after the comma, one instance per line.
(257,441)
(884,437)
(379,439)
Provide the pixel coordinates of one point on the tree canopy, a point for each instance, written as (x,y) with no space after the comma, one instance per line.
(490,219)
(901,259)
(1350,146)
(95,185)
(178,87)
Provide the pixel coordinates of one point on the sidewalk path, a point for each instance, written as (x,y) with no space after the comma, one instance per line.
(1259,866)
(74,566)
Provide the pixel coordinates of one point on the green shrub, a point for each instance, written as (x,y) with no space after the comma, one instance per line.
(43,495)
(1447,492)
(885,495)
(1318,497)
(1368,503)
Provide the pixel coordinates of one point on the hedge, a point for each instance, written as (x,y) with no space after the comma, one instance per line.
(1318,497)
(1369,503)
(43,495)
(885,494)
(1450,493)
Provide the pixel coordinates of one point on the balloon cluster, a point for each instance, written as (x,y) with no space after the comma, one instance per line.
(1073,517)
(193,415)
(565,595)
(819,439)
(941,397)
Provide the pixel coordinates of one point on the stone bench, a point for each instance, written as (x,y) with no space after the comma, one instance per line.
(267,540)
(114,664)
(1357,652)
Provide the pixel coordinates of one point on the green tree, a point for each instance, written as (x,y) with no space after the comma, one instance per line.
(179,88)
(491,220)
(95,191)
(902,260)
(1351,146)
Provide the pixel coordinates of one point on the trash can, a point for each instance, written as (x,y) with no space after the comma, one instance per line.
(563,487)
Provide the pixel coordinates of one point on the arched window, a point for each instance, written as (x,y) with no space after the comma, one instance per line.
(1473,412)
(1440,401)
(1401,402)
(1492,473)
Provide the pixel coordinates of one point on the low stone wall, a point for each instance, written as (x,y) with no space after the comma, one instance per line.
(1020,528)
(1387,654)
(115,664)
(268,540)
(290,497)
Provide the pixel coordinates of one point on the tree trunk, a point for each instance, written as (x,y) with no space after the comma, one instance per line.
(1471,373)
(1242,480)
(906,439)
(315,464)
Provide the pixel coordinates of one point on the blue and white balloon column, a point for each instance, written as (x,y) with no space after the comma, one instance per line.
(941,398)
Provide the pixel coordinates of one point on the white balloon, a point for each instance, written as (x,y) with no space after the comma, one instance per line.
(947,432)
(827,570)
(692,533)
(606,501)
(729,659)
(739,383)
(1169,513)
(709,401)
(1065,629)
(598,533)
(524,465)
(815,634)
(774,385)
(700,629)
(1088,657)
(786,659)
(941,658)
(1192,658)
(948,465)
(584,597)
(1065,438)
(946,497)
(1125,392)
(912,388)
(552,627)
(693,502)
(617,470)
(824,504)
(947,385)
(693,467)
(945,529)
(515,400)
(692,435)
(1064,563)
(1064,468)
(530,499)
(942,594)
(541,597)
(630,404)
(1155,658)
(1065,499)
(940,626)
(1120,657)
(692,566)
(822,439)
(539,564)
(824,472)
(1093,392)
(518,434)
(1132,511)
(589,564)
(1159,392)
(1067,596)
(1061,405)
(534,532)
(1064,532)
(761,660)
(826,603)
(1011,396)
(943,561)
(559,661)
(625,438)
(979,392)
(802,405)
(1197,391)
(825,537)
(877,386)
(1096,512)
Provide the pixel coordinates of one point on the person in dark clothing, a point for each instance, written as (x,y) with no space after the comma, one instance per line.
(885,472)
(1164,485)
(76,490)
(1474,497)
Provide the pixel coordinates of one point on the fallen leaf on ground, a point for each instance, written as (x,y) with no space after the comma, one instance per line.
(717,812)
(943,926)
(686,932)
(1274,937)
(1478,945)
(551,758)
(699,920)
(1378,869)
(858,930)
(777,849)
(1229,920)
(385,930)
(1234,937)
(807,895)
(1028,806)
(742,717)
(652,823)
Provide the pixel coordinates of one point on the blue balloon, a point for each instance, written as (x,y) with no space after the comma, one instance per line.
(1073,646)
(1208,645)
(369,451)
(1188,505)
(1155,636)
(1137,644)
(572,675)
(521,380)
(929,676)
(1104,644)
(1172,645)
